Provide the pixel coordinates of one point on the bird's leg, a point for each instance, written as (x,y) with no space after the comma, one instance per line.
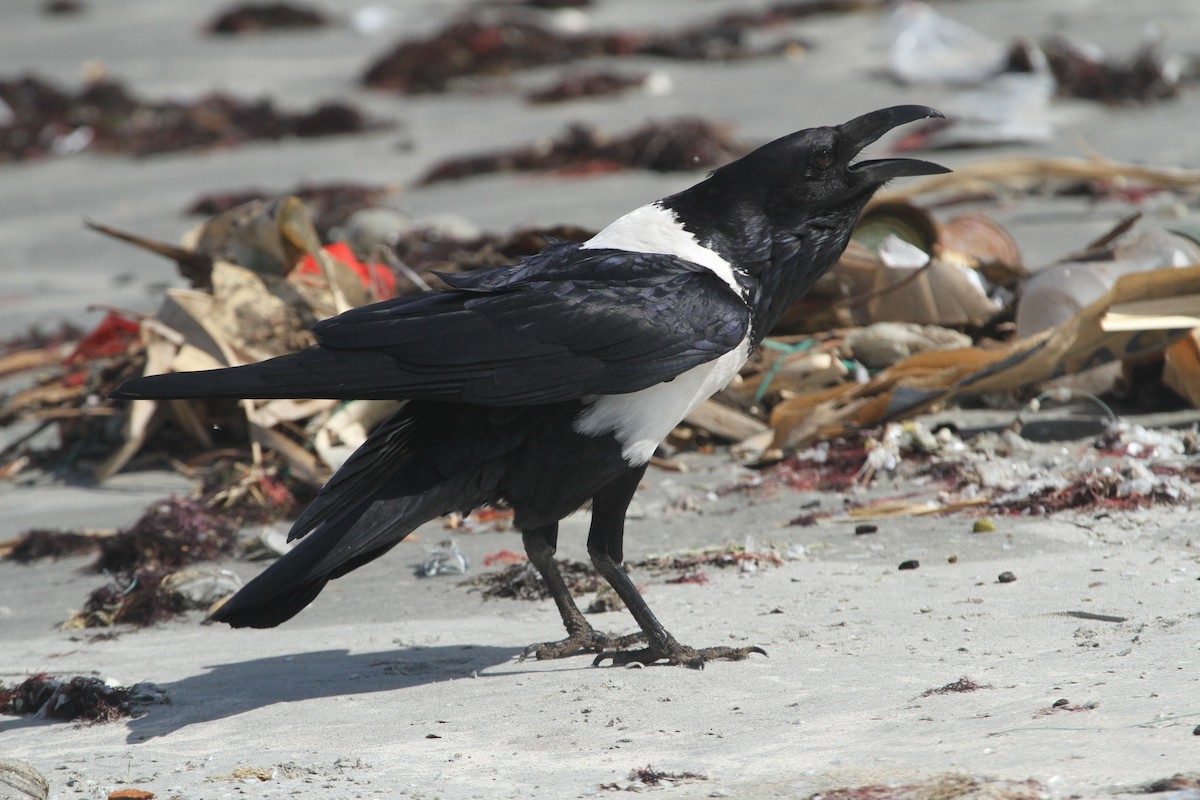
(540,545)
(606,545)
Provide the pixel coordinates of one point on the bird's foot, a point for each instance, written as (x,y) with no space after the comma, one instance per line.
(675,654)
(585,641)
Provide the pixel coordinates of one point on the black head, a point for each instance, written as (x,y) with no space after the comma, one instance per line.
(809,172)
(783,214)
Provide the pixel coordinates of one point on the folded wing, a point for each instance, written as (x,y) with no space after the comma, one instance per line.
(562,325)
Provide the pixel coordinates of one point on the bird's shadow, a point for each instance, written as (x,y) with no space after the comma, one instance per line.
(225,690)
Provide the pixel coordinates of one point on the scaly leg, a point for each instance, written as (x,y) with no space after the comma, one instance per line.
(606,547)
(540,546)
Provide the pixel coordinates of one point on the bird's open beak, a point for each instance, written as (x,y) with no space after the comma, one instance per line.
(862,131)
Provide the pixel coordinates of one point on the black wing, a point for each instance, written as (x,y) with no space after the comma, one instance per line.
(562,325)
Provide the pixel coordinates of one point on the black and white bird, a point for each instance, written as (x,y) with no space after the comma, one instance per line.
(548,384)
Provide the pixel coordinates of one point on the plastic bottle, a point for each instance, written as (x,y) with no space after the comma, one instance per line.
(1057,293)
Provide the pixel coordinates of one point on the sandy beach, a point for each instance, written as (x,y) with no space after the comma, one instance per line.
(391,685)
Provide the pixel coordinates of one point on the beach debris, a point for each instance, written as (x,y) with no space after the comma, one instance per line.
(63,8)
(444,559)
(960,686)
(1082,70)
(602,83)
(497,45)
(105,117)
(910,564)
(882,344)
(928,379)
(170,534)
(681,144)
(1057,293)
(329,205)
(865,528)
(820,403)
(1066,705)
(928,47)
(252,18)
(1011,108)
(21,781)
(141,597)
(1006,577)
(1095,176)
(1181,785)
(130,793)
(649,776)
(983,525)
(746,558)
(85,699)
(944,786)
(504,557)
(39,543)
(521,581)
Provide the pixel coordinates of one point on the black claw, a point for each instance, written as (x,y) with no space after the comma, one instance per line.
(587,642)
(678,655)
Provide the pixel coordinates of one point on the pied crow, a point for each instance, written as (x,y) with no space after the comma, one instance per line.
(548,384)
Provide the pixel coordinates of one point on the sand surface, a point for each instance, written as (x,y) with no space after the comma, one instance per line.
(395,686)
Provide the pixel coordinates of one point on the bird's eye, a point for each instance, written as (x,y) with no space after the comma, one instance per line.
(822,158)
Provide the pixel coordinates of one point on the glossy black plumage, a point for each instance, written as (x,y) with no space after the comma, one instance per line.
(563,324)
(548,384)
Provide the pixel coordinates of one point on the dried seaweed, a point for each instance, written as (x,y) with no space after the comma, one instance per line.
(649,776)
(1078,72)
(138,598)
(586,84)
(40,543)
(833,467)
(103,116)
(688,566)
(685,143)
(487,48)
(1102,490)
(522,582)
(82,698)
(171,533)
(251,18)
(959,686)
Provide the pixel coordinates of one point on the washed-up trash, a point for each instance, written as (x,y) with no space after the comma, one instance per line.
(268,279)
(202,586)
(329,205)
(880,345)
(918,271)
(1057,293)
(445,559)
(928,47)
(931,378)
(1097,176)
(1012,108)
(1181,367)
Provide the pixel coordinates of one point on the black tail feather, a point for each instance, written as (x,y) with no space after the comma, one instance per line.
(393,483)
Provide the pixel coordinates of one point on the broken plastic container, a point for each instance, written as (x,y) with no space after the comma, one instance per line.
(1056,294)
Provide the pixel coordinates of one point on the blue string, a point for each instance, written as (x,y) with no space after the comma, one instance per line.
(787,349)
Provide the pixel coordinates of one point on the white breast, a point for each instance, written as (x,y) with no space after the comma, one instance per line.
(640,420)
(654,229)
